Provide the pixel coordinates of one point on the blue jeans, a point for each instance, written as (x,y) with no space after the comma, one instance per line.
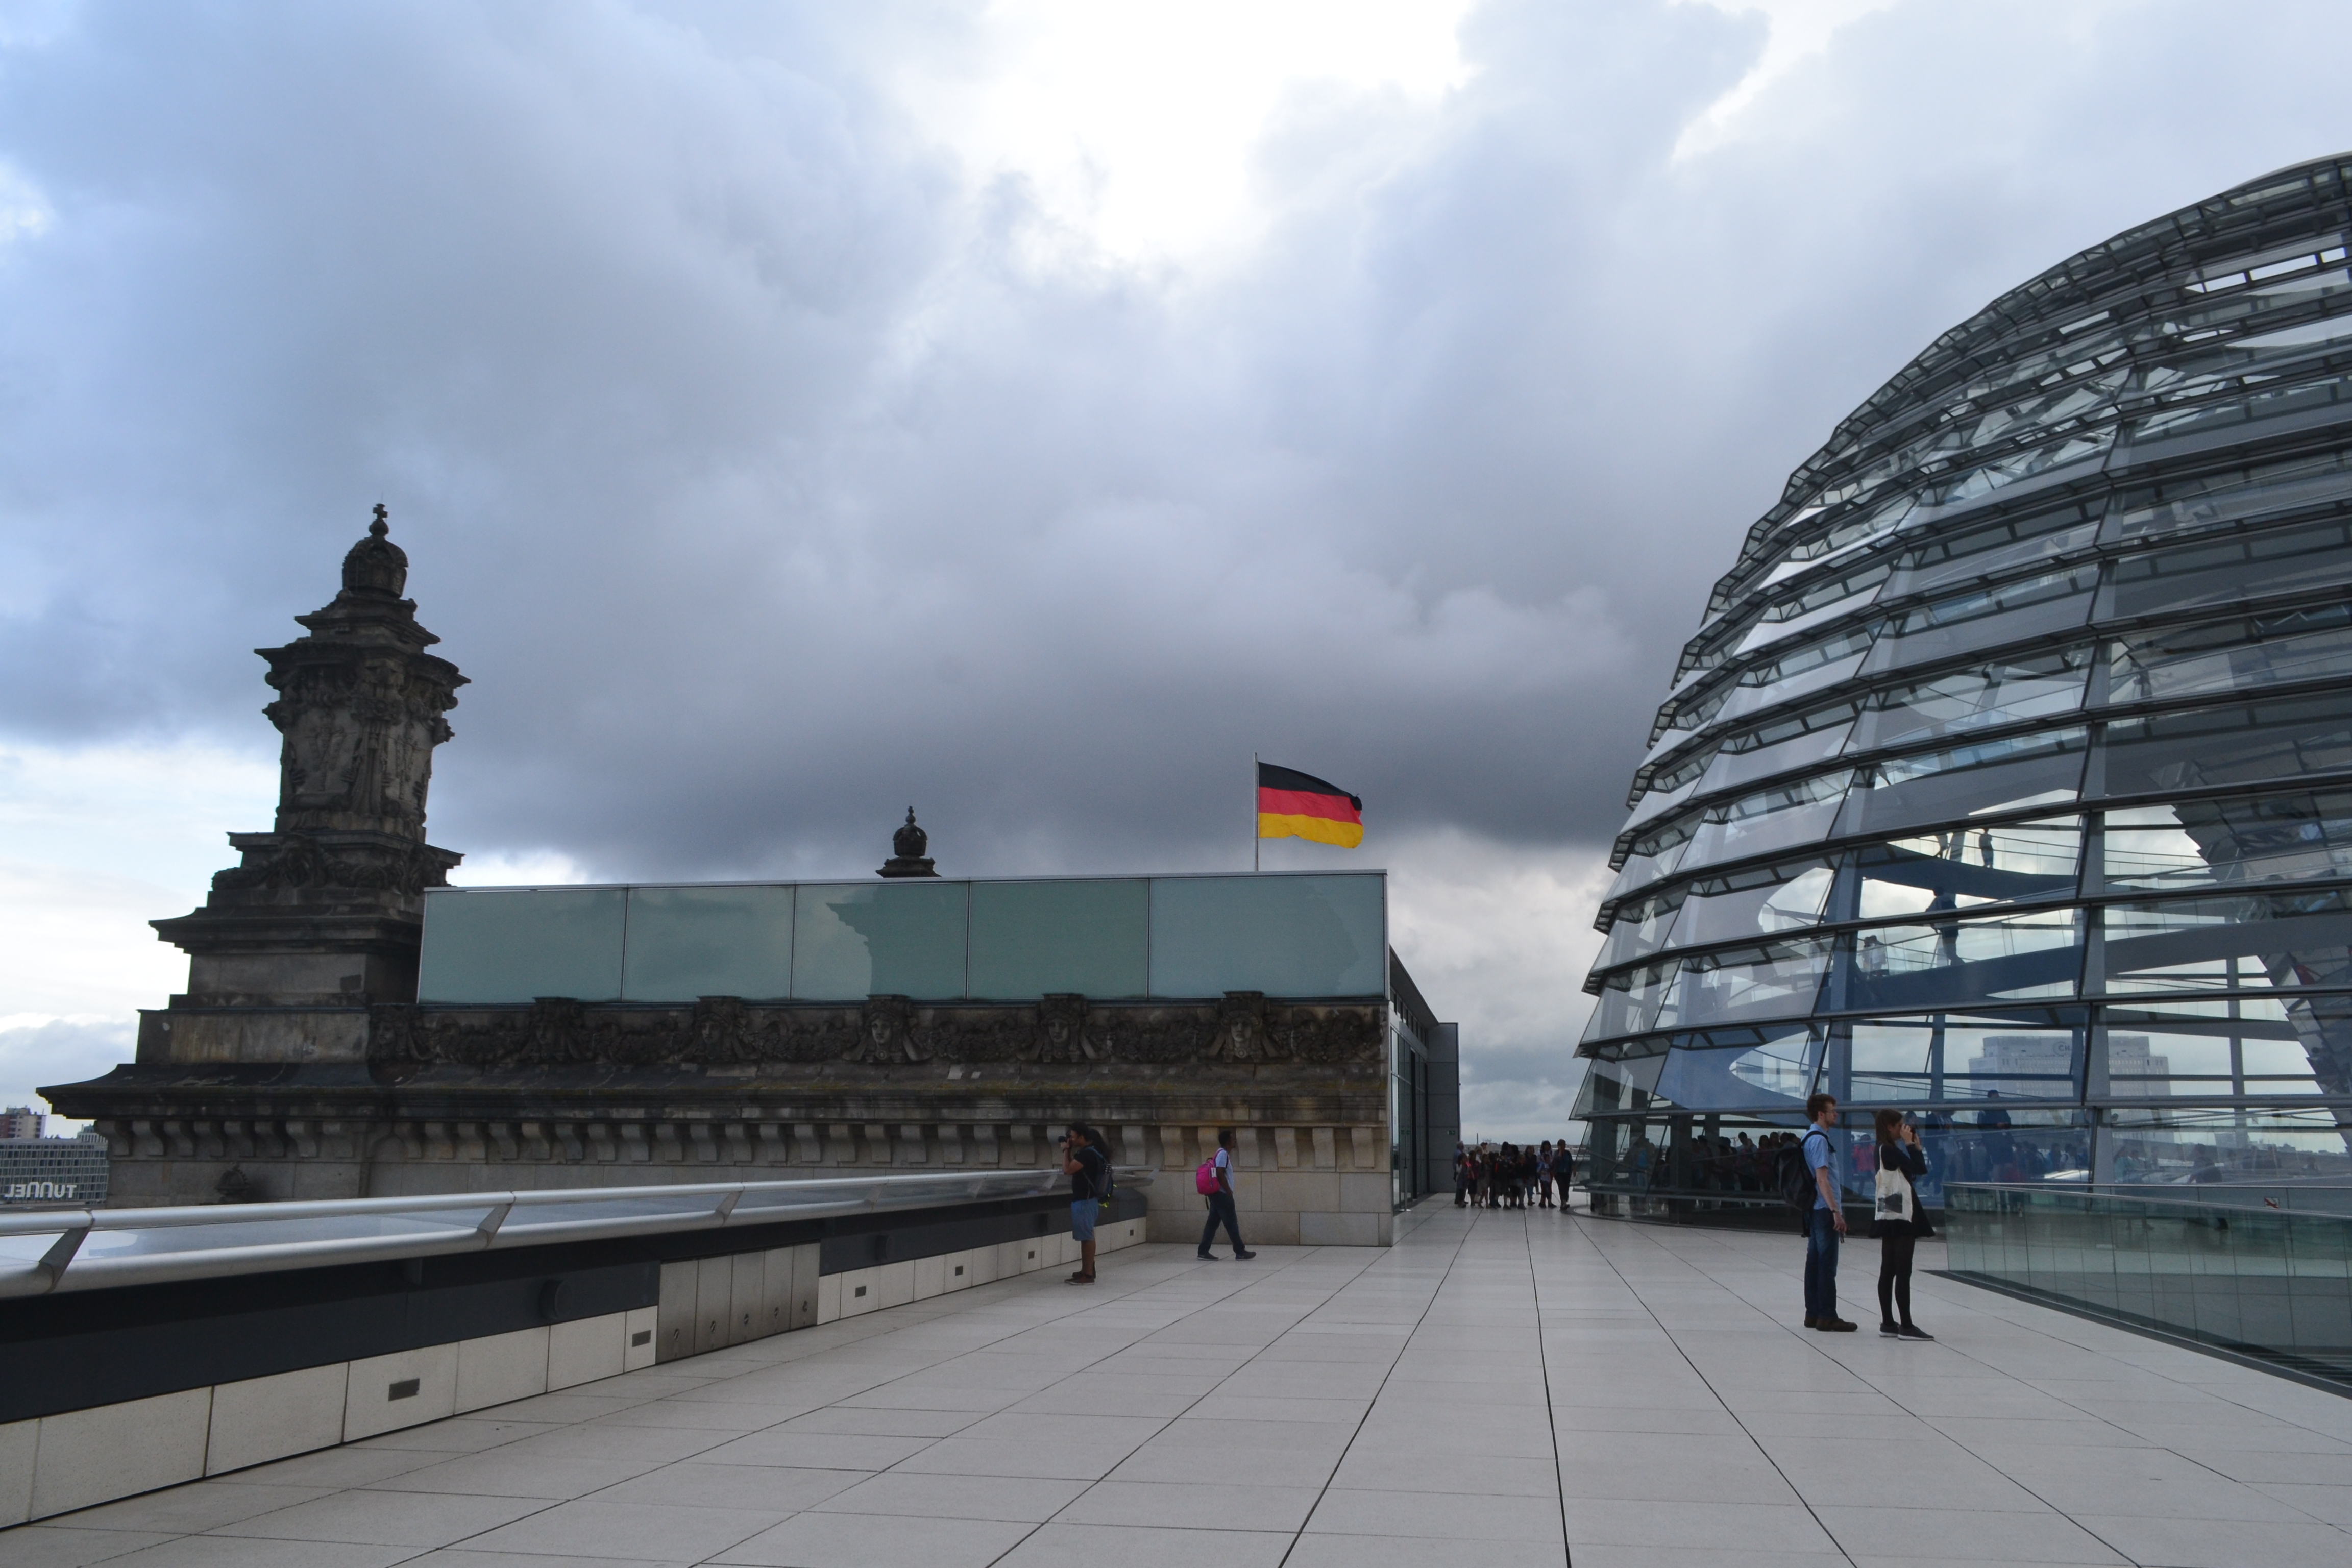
(1820,1265)
(1221,1212)
(1082,1217)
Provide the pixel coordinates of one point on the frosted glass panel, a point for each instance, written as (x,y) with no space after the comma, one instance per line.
(512,944)
(685,942)
(1286,936)
(1032,938)
(855,939)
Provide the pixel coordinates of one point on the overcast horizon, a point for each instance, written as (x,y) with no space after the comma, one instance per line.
(1027,412)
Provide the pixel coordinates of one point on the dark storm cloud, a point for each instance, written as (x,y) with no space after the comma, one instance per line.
(765,470)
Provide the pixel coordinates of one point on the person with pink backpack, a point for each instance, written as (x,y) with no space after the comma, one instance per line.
(1214,1182)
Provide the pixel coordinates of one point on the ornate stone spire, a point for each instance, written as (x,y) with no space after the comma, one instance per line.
(328,905)
(360,702)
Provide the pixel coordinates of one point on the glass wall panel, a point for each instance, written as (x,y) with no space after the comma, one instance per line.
(1770,1069)
(2208,501)
(1988,1144)
(2243,654)
(1802,749)
(512,944)
(855,939)
(1979,697)
(2217,945)
(1767,980)
(1032,939)
(1640,929)
(1939,1058)
(2212,1048)
(1629,1000)
(1642,870)
(1984,618)
(2253,1144)
(685,942)
(1756,696)
(2005,958)
(1754,903)
(1286,936)
(1618,1082)
(1967,867)
(1780,817)
(2203,843)
(2005,546)
(2226,570)
(2230,745)
(2230,415)
(2007,774)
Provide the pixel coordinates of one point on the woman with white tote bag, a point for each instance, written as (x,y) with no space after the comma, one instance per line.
(1898,1222)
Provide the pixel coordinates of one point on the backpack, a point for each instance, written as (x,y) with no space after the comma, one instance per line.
(1204,1180)
(1794,1177)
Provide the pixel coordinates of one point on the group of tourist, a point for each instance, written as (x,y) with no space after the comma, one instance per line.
(1486,1176)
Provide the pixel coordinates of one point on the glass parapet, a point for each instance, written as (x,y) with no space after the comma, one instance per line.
(2253,1276)
(688,942)
(1286,934)
(513,944)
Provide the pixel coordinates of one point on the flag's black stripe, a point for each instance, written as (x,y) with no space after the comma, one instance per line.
(1271,777)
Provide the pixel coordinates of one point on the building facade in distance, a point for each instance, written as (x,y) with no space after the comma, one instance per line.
(2009,779)
(38,1172)
(355,1028)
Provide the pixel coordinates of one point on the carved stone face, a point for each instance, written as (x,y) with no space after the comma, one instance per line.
(880,1027)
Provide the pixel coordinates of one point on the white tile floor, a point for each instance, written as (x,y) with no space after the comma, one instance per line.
(1497,1389)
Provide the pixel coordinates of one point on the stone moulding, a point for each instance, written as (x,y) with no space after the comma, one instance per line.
(893,1034)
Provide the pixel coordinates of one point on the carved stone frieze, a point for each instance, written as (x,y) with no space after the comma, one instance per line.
(1244,1029)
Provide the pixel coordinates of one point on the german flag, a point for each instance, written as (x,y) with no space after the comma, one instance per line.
(1292,804)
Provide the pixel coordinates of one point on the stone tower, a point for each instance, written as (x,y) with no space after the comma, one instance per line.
(323,915)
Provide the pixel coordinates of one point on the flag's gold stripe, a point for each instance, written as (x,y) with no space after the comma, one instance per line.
(1322,829)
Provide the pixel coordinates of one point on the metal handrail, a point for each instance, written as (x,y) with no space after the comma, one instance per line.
(86,1249)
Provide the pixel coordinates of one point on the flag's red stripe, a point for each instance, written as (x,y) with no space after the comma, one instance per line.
(1298,803)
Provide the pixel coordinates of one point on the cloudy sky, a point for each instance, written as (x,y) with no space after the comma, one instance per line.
(1025,410)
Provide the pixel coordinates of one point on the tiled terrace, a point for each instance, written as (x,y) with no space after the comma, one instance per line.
(1498,1389)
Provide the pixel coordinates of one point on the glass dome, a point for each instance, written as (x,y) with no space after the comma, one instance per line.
(2009,778)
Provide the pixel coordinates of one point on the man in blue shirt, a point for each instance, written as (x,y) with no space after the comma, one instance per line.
(1826,1224)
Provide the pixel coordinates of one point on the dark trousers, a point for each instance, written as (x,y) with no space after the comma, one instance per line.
(1821,1265)
(1895,1277)
(1221,1212)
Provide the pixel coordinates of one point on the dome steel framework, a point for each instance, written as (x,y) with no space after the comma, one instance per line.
(2009,778)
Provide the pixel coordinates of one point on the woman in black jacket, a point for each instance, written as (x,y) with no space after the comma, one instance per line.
(1898,1223)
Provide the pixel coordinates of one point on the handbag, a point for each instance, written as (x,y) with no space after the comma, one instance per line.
(1895,1200)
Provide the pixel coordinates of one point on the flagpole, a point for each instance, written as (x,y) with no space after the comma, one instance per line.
(1253,837)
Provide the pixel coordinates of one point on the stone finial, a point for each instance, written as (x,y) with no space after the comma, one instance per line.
(375,564)
(910,842)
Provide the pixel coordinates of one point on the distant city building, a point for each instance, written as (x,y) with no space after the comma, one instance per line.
(21,1121)
(52,1169)
(2009,778)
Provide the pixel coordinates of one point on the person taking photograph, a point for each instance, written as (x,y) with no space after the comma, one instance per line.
(1898,1222)
(1090,1172)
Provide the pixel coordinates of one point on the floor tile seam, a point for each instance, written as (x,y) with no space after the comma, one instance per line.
(1324,1491)
(1551,1419)
(1812,1512)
